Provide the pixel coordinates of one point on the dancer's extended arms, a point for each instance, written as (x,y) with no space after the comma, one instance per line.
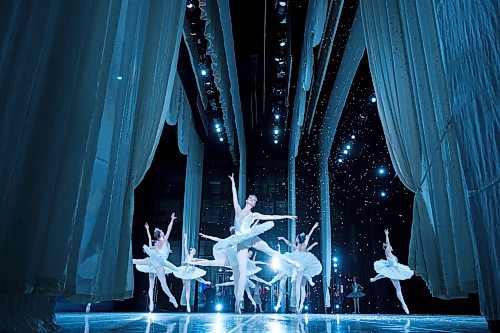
(261,263)
(287,242)
(215,239)
(312,245)
(236,205)
(169,228)
(260,216)
(386,232)
(150,243)
(306,242)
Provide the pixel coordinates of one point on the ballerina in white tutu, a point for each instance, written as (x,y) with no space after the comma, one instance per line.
(188,273)
(157,264)
(392,270)
(309,265)
(246,236)
(356,294)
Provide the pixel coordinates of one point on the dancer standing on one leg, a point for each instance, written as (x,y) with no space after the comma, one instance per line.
(245,237)
(392,270)
(309,265)
(188,273)
(158,260)
(356,294)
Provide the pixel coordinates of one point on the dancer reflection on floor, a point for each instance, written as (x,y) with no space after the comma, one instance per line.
(392,270)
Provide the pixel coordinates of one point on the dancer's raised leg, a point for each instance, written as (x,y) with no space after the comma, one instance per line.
(399,294)
(377,277)
(260,245)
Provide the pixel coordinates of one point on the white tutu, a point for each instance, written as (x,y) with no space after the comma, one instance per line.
(228,254)
(309,264)
(391,269)
(158,258)
(188,272)
(238,238)
(151,269)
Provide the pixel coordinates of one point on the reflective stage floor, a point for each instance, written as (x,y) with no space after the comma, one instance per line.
(265,323)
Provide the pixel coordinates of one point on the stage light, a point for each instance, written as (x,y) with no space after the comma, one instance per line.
(190,5)
(345,151)
(276,131)
(283,43)
(383,194)
(373,99)
(204,72)
(282,3)
(335,265)
(277,116)
(348,147)
(218,307)
(275,141)
(306,307)
(340,160)
(335,259)
(353,136)
(381,171)
(336,306)
(218,129)
(275,263)
(119,77)
(221,139)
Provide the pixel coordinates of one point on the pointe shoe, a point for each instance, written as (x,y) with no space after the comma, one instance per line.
(405,308)
(87,309)
(188,309)
(372,280)
(173,301)
(151,306)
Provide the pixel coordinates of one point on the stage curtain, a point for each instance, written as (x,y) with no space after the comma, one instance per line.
(468,38)
(417,118)
(83,86)
(338,96)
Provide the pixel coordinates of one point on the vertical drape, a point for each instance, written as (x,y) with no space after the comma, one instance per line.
(407,72)
(80,123)
(468,38)
(350,61)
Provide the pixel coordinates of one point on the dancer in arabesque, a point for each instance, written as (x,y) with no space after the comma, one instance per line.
(391,269)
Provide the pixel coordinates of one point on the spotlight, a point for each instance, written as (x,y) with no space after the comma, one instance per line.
(277,116)
(282,3)
(381,171)
(217,125)
(340,160)
(221,139)
(348,147)
(383,194)
(275,263)
(218,129)
(190,5)
(373,98)
(353,136)
(218,307)
(119,78)
(204,72)
(276,131)
(345,151)
(283,43)
(276,308)
(335,259)
(275,141)
(335,265)
(336,306)
(306,307)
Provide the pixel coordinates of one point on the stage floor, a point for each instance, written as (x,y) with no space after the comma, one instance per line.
(265,323)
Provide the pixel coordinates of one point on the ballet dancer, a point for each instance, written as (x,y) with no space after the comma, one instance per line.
(356,294)
(392,270)
(157,263)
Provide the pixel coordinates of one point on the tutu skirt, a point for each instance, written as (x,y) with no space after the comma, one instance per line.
(188,272)
(309,264)
(392,269)
(255,230)
(356,294)
(151,269)
(158,260)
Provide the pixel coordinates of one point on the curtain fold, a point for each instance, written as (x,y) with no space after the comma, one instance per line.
(468,39)
(407,72)
(81,122)
(338,96)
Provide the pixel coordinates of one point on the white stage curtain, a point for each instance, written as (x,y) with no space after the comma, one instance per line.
(350,62)
(468,34)
(412,98)
(83,86)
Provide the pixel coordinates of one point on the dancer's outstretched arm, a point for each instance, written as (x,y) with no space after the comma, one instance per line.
(386,232)
(215,239)
(236,205)
(225,284)
(150,243)
(308,237)
(260,263)
(260,216)
(287,242)
(359,286)
(310,247)
(169,228)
